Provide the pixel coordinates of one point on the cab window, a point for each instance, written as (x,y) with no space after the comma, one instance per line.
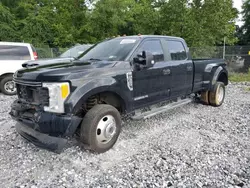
(176,50)
(153,46)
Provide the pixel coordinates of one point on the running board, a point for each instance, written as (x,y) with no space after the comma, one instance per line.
(156,111)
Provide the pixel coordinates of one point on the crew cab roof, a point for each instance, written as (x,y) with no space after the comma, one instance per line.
(150,36)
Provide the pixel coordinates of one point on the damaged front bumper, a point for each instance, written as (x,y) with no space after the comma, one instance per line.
(45,130)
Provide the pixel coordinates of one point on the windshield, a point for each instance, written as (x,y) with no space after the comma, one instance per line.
(75,51)
(112,50)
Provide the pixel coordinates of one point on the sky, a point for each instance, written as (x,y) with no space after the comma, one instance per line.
(238,5)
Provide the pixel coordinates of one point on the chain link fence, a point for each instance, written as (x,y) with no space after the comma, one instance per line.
(62,52)
(50,52)
(236,57)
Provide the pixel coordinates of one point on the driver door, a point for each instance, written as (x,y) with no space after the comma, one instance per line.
(152,84)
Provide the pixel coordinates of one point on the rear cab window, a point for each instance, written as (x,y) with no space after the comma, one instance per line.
(176,50)
(14,52)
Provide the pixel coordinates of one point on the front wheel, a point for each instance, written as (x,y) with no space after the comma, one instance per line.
(217,95)
(100,128)
(7,86)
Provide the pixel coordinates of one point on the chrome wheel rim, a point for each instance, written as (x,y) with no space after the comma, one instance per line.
(10,87)
(220,94)
(106,129)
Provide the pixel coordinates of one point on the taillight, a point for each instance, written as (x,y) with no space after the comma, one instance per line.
(35,55)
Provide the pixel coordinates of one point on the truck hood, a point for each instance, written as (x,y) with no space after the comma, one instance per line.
(47,61)
(65,70)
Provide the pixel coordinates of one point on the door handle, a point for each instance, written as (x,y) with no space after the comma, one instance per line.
(166,71)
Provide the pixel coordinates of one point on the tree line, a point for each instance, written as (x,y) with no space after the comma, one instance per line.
(63,23)
(243,33)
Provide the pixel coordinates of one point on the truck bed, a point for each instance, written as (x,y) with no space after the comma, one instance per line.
(202,70)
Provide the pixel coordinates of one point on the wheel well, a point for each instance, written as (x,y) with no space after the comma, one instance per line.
(110,98)
(223,78)
(4,75)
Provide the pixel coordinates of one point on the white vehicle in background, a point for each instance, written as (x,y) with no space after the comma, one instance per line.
(12,56)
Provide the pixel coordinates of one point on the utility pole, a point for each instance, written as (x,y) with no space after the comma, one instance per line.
(224,48)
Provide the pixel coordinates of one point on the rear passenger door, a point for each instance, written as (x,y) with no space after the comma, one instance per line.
(181,68)
(152,84)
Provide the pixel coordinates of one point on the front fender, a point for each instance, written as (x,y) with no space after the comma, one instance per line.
(81,94)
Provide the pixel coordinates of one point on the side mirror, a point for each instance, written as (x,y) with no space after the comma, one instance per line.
(146,59)
(149,58)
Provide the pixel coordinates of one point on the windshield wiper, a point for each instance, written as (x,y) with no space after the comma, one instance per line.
(95,59)
(86,60)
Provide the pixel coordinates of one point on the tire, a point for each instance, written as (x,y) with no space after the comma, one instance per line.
(204,97)
(217,95)
(100,128)
(7,86)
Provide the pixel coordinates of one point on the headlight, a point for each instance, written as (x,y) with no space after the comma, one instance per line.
(58,93)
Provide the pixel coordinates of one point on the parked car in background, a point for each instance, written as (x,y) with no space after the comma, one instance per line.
(235,63)
(12,56)
(65,57)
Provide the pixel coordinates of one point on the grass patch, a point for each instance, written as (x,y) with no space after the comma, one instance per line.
(247,89)
(239,77)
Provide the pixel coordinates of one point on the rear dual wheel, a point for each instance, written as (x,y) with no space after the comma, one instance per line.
(100,128)
(216,96)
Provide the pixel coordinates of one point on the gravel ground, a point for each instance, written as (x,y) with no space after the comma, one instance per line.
(192,146)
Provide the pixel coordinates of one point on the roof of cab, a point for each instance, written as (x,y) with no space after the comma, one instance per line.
(150,36)
(147,36)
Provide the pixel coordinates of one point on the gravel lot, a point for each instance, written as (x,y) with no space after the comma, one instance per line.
(192,146)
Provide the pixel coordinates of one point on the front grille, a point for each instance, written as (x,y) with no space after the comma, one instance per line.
(33,94)
(27,83)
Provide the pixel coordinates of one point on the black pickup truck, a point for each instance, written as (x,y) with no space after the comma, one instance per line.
(136,75)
